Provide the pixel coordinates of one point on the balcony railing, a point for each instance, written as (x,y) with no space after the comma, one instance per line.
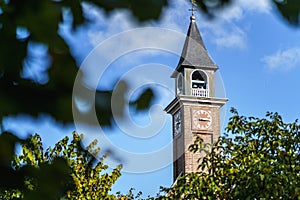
(199,92)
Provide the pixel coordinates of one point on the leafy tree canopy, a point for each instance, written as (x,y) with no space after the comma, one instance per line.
(256,159)
(65,171)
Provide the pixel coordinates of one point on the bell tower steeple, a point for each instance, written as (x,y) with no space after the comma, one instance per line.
(195,65)
(195,108)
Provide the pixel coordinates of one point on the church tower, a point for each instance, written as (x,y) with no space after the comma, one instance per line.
(195,108)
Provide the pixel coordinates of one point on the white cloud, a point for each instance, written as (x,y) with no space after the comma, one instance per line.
(233,39)
(120,21)
(283,59)
(224,31)
(224,34)
(233,12)
(238,9)
(117,22)
(261,6)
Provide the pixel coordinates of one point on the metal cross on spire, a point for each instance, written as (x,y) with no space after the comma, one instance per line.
(193,9)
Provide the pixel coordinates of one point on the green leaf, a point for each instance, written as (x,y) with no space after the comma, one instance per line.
(144,100)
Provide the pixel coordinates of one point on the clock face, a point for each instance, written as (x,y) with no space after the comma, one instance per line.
(177,122)
(201,119)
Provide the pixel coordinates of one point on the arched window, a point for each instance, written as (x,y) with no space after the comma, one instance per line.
(199,84)
(199,80)
(179,83)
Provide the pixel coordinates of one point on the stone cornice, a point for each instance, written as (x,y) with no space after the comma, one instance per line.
(192,100)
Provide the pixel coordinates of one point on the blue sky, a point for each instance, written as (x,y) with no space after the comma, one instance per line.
(257,52)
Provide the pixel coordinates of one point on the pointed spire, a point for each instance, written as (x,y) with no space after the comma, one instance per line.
(194,53)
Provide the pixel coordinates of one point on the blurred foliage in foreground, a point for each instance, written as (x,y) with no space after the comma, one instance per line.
(256,159)
(28,26)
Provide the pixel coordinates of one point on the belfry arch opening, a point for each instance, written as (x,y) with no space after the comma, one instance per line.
(199,84)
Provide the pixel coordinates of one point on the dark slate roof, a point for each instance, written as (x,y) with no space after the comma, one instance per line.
(194,53)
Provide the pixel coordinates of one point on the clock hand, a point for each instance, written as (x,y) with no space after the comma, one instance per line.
(204,119)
